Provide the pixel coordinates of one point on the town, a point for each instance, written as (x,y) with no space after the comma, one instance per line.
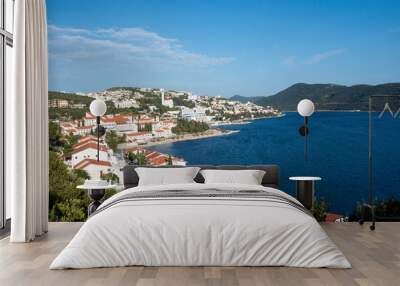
(139,118)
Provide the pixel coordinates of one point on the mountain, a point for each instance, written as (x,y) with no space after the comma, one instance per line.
(240,98)
(326,96)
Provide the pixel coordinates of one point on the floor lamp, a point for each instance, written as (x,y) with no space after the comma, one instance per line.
(98,108)
(97,191)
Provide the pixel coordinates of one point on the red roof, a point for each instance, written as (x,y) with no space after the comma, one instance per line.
(89,145)
(86,162)
(87,138)
(161,160)
(88,115)
(152,155)
(138,133)
(332,217)
(120,119)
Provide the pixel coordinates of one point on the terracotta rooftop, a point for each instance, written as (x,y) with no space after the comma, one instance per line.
(86,162)
(332,217)
(89,145)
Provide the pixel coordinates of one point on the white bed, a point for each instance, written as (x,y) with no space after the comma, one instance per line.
(202,231)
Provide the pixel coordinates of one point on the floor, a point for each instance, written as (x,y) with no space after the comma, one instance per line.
(375,257)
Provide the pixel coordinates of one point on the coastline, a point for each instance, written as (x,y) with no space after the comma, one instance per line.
(245,120)
(214,131)
(187,137)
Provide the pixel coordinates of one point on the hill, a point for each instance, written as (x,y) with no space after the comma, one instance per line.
(72,98)
(325,96)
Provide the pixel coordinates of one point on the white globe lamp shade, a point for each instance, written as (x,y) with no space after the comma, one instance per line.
(305,107)
(98,107)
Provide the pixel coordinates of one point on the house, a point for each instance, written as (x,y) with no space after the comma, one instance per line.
(197,114)
(58,103)
(94,168)
(84,130)
(67,128)
(162,132)
(138,136)
(88,150)
(79,105)
(87,139)
(166,101)
(126,103)
(89,119)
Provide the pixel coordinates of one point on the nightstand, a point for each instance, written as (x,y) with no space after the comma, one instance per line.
(305,188)
(96,193)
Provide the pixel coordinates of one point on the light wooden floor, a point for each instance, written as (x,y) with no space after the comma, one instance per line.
(375,257)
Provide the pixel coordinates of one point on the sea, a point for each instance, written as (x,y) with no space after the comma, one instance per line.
(338,153)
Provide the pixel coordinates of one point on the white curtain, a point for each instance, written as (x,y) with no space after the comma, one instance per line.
(27,124)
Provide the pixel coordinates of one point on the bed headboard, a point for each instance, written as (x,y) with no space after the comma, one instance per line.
(270,179)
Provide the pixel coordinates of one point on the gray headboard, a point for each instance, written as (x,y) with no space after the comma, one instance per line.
(271,177)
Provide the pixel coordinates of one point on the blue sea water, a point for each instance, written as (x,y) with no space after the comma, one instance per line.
(338,152)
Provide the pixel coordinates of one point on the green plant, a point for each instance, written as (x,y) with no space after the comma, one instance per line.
(320,207)
(138,158)
(186,126)
(66,202)
(81,174)
(169,160)
(112,140)
(110,177)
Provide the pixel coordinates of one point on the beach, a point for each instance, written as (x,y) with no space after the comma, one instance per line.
(213,132)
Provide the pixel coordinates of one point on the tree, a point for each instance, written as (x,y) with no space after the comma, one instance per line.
(66,202)
(69,143)
(110,177)
(138,158)
(55,136)
(112,140)
(169,160)
(186,126)
(81,174)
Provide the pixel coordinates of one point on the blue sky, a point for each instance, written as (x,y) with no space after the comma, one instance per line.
(216,47)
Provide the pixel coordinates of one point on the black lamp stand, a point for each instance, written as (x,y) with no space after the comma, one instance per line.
(303,130)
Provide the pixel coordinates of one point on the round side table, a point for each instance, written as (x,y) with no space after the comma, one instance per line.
(305,188)
(96,193)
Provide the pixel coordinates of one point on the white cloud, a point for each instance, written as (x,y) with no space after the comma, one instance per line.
(319,57)
(124,44)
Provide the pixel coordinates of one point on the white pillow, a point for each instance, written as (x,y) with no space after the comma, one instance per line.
(166,176)
(248,177)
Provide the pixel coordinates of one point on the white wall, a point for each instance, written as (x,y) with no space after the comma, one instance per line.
(89,153)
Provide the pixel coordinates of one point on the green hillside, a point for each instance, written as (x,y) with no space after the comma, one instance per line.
(325,96)
(72,98)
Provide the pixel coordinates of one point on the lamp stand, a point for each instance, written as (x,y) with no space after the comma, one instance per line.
(306,138)
(98,137)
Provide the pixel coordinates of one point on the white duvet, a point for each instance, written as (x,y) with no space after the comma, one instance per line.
(200,231)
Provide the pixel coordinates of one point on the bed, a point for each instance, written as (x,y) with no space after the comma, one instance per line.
(198,224)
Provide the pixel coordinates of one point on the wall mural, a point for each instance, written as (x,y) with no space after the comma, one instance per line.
(178,95)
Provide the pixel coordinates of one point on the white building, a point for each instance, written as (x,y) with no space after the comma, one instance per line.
(88,150)
(162,133)
(127,103)
(94,168)
(197,114)
(192,97)
(139,136)
(166,102)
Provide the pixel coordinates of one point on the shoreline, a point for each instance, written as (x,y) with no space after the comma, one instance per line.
(214,131)
(187,137)
(245,120)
